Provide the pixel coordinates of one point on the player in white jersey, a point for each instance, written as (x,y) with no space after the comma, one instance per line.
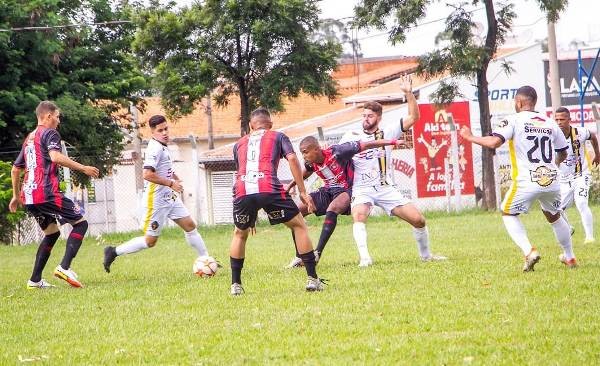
(161,199)
(575,176)
(536,148)
(373,180)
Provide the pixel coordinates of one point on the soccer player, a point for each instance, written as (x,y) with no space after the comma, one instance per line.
(161,199)
(40,157)
(334,166)
(575,176)
(536,147)
(256,186)
(373,179)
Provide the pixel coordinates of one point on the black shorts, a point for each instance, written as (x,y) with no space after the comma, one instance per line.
(48,212)
(324,196)
(279,208)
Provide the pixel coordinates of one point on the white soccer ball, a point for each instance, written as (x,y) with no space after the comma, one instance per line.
(205,266)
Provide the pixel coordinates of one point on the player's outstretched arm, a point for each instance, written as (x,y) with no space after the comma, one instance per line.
(63,160)
(366,145)
(15,175)
(292,184)
(594,141)
(151,176)
(492,142)
(413,107)
(298,178)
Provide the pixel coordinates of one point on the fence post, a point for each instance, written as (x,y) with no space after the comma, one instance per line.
(196,165)
(455,166)
(66,171)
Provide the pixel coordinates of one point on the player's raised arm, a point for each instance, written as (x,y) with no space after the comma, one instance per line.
(63,160)
(413,107)
(366,145)
(492,142)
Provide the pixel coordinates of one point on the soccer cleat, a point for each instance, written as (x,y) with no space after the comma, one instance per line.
(110,254)
(570,263)
(365,262)
(314,284)
(295,263)
(236,289)
(531,260)
(67,275)
(434,258)
(42,285)
(589,241)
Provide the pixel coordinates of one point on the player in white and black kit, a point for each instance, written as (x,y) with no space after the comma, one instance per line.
(575,176)
(373,180)
(536,147)
(161,199)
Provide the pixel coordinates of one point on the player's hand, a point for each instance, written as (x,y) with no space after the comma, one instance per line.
(400,143)
(465,133)
(308,201)
(405,84)
(91,171)
(14,204)
(176,186)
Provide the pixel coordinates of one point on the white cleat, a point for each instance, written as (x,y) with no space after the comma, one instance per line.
(589,241)
(434,258)
(531,260)
(365,262)
(236,289)
(295,263)
(42,285)
(314,284)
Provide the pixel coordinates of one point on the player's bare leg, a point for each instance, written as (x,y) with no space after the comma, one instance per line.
(297,261)
(411,214)
(338,206)
(360,213)
(305,249)
(563,235)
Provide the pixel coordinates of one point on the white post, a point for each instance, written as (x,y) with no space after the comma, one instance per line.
(497,180)
(447,182)
(455,166)
(196,167)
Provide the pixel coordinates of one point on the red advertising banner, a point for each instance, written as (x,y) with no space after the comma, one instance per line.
(431,136)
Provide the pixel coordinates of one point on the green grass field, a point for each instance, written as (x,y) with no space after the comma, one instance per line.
(476,309)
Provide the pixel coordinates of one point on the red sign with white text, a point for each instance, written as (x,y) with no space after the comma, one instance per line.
(432,142)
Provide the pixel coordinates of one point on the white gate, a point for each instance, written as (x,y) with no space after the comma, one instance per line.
(222,197)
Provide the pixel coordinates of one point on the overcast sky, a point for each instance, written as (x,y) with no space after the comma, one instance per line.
(581,22)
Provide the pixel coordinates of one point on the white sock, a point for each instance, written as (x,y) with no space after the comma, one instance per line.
(422,237)
(359,230)
(586,219)
(562,231)
(132,246)
(563,213)
(517,233)
(195,240)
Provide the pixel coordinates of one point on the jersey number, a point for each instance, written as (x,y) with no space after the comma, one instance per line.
(544,145)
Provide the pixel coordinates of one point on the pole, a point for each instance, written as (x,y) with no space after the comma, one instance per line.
(553,67)
(455,166)
(209,122)
(196,167)
(137,150)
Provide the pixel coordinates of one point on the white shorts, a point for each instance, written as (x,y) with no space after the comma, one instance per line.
(386,197)
(576,189)
(155,218)
(518,200)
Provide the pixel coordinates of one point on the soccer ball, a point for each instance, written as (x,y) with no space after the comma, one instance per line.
(205,266)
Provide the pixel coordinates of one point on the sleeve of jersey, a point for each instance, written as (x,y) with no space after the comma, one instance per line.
(346,150)
(505,131)
(20,161)
(151,158)
(286,146)
(51,140)
(560,141)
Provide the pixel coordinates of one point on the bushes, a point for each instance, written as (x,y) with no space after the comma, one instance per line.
(9,220)
(595,186)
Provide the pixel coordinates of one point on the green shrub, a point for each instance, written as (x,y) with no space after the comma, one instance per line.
(8,221)
(595,186)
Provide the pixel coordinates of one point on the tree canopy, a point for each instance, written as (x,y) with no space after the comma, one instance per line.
(88,71)
(259,50)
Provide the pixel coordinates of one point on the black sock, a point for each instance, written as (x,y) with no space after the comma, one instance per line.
(309,263)
(42,255)
(295,246)
(236,269)
(328,228)
(74,243)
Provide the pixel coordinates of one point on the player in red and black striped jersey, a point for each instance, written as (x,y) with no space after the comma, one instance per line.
(334,166)
(256,186)
(40,157)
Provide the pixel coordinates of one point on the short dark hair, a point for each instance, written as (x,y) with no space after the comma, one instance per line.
(260,112)
(563,110)
(374,106)
(44,107)
(528,92)
(309,141)
(156,120)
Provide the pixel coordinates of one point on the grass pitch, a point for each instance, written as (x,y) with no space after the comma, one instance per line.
(478,308)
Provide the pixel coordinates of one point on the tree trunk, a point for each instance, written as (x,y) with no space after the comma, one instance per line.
(244,110)
(487,155)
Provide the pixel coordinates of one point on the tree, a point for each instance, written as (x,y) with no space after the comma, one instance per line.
(261,50)
(337,31)
(462,57)
(88,71)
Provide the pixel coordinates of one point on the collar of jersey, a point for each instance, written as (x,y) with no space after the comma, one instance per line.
(163,144)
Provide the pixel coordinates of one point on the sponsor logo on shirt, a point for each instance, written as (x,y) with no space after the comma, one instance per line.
(543,176)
